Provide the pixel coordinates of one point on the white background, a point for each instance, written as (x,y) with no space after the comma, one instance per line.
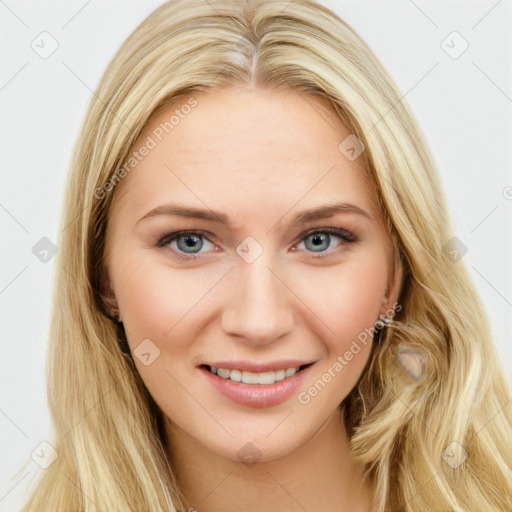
(463,105)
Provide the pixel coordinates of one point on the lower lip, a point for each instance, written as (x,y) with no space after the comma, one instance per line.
(257,395)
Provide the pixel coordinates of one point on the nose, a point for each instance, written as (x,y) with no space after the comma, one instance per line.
(259,307)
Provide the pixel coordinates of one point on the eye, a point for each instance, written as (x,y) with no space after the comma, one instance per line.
(319,241)
(186,244)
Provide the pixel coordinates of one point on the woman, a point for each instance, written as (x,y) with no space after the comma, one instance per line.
(260,373)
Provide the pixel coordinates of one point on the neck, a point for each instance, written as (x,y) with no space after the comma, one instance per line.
(319,475)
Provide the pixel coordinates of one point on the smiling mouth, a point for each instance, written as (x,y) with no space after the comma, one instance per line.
(261,378)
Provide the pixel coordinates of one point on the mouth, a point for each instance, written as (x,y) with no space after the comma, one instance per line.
(276,384)
(255,378)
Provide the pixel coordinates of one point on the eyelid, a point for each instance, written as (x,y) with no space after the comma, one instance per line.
(350,237)
(171,235)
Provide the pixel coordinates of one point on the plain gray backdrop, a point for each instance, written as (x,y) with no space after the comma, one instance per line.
(451,60)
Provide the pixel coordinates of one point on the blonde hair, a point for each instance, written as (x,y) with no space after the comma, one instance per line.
(107,430)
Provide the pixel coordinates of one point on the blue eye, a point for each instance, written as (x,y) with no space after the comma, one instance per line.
(188,244)
(186,241)
(321,239)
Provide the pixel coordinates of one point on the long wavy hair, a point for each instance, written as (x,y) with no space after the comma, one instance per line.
(107,430)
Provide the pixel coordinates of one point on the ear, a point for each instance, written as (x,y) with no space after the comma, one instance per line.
(394,285)
(108,296)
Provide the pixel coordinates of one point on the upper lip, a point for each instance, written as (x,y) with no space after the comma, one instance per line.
(252,366)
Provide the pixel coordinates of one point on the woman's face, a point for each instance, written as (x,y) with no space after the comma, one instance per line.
(262,283)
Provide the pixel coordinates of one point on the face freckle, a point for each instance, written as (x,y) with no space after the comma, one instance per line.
(259,283)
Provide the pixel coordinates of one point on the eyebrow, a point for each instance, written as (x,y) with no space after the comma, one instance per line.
(316,213)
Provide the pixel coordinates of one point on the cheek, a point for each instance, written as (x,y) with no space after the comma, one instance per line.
(155,299)
(160,304)
(347,298)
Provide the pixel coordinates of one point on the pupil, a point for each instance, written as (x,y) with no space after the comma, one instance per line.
(318,240)
(190,241)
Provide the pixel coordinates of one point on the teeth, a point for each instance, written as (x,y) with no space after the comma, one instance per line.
(254,378)
(267,377)
(223,372)
(290,371)
(249,377)
(235,375)
(280,374)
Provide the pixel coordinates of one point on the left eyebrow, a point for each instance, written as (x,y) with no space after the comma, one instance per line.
(310,215)
(326,211)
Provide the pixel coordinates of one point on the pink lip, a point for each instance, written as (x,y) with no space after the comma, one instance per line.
(257,395)
(252,366)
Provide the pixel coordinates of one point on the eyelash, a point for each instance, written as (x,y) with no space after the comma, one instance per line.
(345,236)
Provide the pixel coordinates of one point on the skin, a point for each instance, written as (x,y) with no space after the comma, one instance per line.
(260,157)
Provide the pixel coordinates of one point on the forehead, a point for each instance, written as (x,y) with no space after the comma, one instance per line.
(245,151)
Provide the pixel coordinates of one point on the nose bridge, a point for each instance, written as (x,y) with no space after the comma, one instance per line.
(259,308)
